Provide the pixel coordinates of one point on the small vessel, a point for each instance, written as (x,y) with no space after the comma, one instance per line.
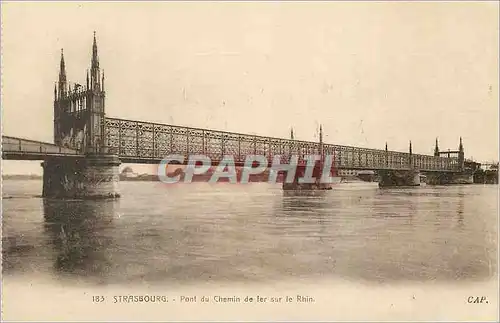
(306,187)
(295,186)
(317,186)
(399,178)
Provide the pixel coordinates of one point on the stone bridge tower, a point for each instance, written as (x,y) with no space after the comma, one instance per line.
(79,114)
(79,110)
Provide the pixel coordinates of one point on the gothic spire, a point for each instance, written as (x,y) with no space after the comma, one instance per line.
(436,148)
(94,69)
(102,82)
(291,133)
(386,146)
(410,148)
(320,133)
(62,75)
(62,69)
(95,57)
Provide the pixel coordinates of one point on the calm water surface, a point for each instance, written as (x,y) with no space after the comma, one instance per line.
(225,232)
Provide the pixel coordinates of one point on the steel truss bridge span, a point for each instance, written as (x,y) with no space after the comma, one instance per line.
(148,142)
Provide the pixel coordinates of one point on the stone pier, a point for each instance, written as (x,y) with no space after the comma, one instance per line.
(89,177)
(390,178)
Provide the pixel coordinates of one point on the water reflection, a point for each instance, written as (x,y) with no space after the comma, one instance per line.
(391,235)
(255,233)
(460,209)
(303,203)
(81,235)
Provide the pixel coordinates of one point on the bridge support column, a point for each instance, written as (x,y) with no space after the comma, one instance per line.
(91,177)
(390,178)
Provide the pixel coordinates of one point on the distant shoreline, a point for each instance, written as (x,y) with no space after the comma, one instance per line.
(21,177)
(154,178)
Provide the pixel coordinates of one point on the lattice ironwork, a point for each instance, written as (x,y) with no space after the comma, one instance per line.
(162,140)
(150,141)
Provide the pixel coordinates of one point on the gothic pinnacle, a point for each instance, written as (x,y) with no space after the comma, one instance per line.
(95,57)
(62,68)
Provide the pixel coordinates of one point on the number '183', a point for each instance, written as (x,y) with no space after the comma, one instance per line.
(98,299)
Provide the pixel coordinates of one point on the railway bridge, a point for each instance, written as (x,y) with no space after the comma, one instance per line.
(89,146)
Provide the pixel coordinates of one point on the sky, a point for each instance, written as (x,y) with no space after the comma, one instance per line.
(369,72)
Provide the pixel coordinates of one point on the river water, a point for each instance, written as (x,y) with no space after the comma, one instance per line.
(356,252)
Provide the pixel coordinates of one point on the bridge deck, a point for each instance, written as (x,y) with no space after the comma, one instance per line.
(26,149)
(147,142)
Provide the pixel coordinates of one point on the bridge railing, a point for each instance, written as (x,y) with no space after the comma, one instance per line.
(145,140)
(21,145)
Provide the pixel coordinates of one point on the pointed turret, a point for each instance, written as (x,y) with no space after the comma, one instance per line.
(321,148)
(461,155)
(62,75)
(291,133)
(55,91)
(410,158)
(88,85)
(95,56)
(94,68)
(62,68)
(436,149)
(386,155)
(102,82)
